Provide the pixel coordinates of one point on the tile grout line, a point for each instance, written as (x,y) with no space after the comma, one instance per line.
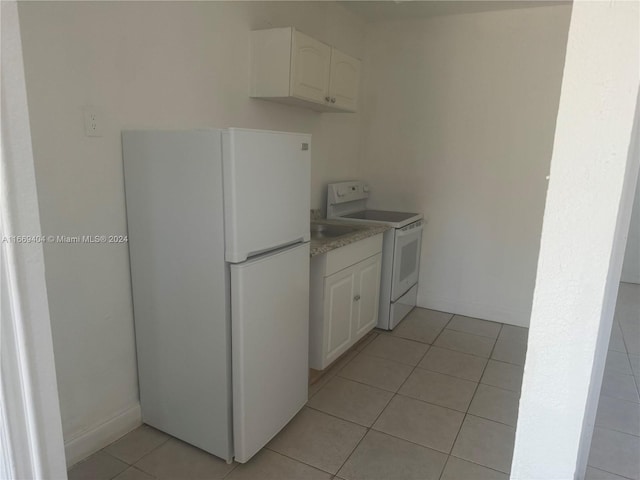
(428,370)
(296,460)
(637,383)
(479,334)
(411,373)
(614,430)
(624,342)
(344,419)
(357,354)
(424,355)
(478,356)
(394,361)
(452,376)
(328,377)
(451,349)
(129,465)
(232,470)
(634,402)
(636,380)
(169,437)
(355,349)
(389,435)
(396,394)
(379,414)
(365,434)
(367,429)
(385,407)
(469,406)
(414,367)
(139,470)
(600,469)
(474,463)
(446,462)
(104,450)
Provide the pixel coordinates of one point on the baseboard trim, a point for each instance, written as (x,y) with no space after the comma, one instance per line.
(89,441)
(474,309)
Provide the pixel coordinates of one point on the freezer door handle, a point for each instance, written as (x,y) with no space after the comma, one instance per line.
(236,257)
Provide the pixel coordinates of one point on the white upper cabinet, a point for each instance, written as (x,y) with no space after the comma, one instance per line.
(290,67)
(344,80)
(310,64)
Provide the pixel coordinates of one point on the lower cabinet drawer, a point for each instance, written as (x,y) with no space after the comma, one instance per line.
(351,254)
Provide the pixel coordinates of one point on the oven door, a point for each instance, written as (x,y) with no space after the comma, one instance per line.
(406,259)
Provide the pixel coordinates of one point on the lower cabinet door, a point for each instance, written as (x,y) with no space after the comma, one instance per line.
(338,310)
(367,279)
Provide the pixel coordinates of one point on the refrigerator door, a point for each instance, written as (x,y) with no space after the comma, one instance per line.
(270,345)
(266,190)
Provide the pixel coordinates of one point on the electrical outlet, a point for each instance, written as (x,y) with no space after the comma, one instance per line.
(92,122)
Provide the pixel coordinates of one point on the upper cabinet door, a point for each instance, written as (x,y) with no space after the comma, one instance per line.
(345,81)
(310,64)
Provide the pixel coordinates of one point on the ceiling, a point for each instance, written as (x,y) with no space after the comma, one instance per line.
(383,10)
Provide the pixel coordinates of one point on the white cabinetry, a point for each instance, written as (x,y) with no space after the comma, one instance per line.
(290,67)
(344,81)
(310,68)
(345,289)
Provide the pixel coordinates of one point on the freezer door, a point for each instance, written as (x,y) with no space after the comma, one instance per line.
(270,345)
(266,191)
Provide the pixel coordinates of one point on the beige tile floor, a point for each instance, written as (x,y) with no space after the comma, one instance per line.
(435,399)
(615,446)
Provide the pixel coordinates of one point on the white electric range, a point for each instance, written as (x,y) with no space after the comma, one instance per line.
(400,249)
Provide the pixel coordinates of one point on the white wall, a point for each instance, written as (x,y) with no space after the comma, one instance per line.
(631,265)
(31,444)
(142,64)
(596,157)
(458,120)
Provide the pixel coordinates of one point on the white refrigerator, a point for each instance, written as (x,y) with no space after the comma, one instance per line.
(218,225)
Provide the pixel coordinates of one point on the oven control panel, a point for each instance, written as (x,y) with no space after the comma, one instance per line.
(347,192)
(412,226)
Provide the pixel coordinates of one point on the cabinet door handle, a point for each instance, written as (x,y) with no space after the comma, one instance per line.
(327,99)
(356,298)
(333,100)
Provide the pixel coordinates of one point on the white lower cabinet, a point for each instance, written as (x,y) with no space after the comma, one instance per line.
(345,290)
(368,284)
(339,305)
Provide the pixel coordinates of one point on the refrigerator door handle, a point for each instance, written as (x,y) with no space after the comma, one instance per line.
(269,250)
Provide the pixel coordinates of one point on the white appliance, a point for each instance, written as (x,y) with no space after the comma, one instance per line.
(400,249)
(218,226)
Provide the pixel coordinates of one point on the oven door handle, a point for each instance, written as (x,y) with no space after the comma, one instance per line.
(403,233)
